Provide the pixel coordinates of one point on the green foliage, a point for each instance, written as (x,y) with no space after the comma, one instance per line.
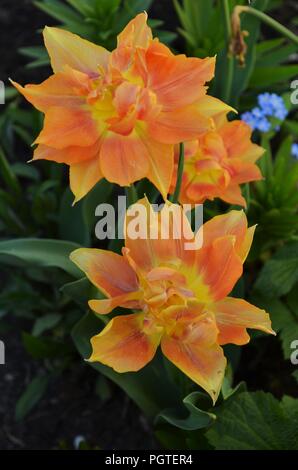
(201,26)
(280,273)
(37,252)
(99,21)
(274,201)
(255,421)
(283,313)
(196,417)
(266,62)
(31,396)
(45,348)
(45,323)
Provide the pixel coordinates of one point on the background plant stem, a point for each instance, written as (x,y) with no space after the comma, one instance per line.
(228,82)
(175,197)
(270,22)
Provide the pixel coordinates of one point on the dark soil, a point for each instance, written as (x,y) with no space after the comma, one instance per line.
(20,25)
(69,409)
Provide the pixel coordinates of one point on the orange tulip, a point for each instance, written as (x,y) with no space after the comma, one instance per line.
(180,296)
(118,115)
(218,162)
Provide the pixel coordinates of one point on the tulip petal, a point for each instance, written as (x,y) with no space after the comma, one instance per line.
(136,33)
(83,177)
(169,76)
(233,223)
(211,107)
(219,267)
(123,159)
(161,161)
(233,316)
(243,172)
(124,344)
(69,155)
(178,125)
(237,139)
(232,195)
(105,306)
(64,127)
(196,352)
(64,89)
(66,48)
(108,271)
(165,235)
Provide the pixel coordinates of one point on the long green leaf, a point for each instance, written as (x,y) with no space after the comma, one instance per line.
(39,252)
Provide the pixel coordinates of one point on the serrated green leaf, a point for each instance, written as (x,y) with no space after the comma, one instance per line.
(280,273)
(255,421)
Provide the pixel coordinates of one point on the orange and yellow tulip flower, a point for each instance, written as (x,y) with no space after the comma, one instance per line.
(218,162)
(180,296)
(119,114)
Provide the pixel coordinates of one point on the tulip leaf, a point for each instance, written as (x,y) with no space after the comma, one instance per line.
(101,193)
(255,421)
(191,417)
(40,252)
(149,388)
(81,291)
(71,221)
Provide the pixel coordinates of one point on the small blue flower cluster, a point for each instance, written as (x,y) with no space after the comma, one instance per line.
(295,150)
(270,105)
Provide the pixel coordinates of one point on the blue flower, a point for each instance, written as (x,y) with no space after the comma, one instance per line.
(272,105)
(264,101)
(294,150)
(249,119)
(256,120)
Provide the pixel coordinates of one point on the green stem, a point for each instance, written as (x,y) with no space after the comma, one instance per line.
(175,197)
(131,194)
(228,82)
(270,22)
